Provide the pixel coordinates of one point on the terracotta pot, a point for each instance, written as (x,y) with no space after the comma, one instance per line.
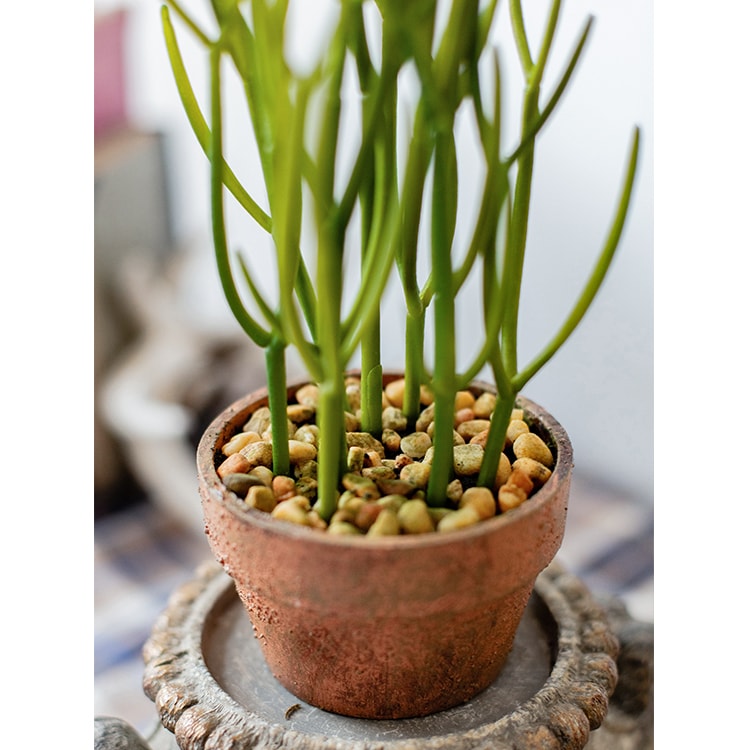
(392,627)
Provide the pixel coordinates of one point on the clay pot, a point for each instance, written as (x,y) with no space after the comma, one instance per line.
(384,628)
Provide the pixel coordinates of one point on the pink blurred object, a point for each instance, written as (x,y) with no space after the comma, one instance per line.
(110,110)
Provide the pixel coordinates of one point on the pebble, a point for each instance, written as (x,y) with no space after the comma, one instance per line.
(485,405)
(426,416)
(458,519)
(394,502)
(261,498)
(378,472)
(504,469)
(535,470)
(308,395)
(454,491)
(306,469)
(467,459)
(367,515)
(393,486)
(263,473)
(516,427)
(300,452)
(283,487)
(480,438)
(361,486)
(391,440)
(366,441)
(473,427)
(394,392)
(529,445)
(291,510)
(241,483)
(417,474)
(351,422)
(237,463)
(481,499)
(414,517)
(457,439)
(463,415)
(394,419)
(355,459)
(307,433)
(307,487)
(386,524)
(259,422)
(416,444)
(258,454)
(464,400)
(354,396)
(343,528)
(299,413)
(372,459)
(510,497)
(236,443)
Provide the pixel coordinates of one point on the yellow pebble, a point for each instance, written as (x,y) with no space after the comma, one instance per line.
(414,517)
(386,524)
(261,498)
(536,470)
(481,499)
(289,510)
(459,519)
(529,445)
(464,400)
(504,469)
(236,443)
(510,497)
(516,427)
(299,451)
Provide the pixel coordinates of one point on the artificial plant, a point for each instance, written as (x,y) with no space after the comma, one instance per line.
(385,196)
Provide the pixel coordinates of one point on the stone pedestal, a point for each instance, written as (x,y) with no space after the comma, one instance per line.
(580,675)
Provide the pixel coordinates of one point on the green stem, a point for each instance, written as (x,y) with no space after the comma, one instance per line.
(517,244)
(372,369)
(258,334)
(277,403)
(331,444)
(200,126)
(444,379)
(597,276)
(556,95)
(413,366)
(498,427)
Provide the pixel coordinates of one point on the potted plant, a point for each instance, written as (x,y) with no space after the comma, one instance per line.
(384,530)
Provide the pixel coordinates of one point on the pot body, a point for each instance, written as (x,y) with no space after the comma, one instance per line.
(391,627)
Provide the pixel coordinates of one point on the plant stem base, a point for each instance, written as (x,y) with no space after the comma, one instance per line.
(560,688)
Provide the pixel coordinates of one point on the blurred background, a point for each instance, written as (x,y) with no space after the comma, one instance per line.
(169,355)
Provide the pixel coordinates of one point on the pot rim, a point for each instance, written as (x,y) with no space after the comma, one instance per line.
(210,481)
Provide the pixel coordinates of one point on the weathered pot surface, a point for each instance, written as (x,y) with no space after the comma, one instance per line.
(392,627)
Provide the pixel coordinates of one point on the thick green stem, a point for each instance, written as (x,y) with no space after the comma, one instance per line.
(332,401)
(372,368)
(496,437)
(277,403)
(413,366)
(331,444)
(444,379)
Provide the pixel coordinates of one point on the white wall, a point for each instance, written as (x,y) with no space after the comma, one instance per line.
(600,384)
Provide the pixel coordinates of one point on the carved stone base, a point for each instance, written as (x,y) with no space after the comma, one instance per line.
(559,690)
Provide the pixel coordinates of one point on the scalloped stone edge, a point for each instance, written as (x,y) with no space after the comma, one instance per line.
(571,704)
